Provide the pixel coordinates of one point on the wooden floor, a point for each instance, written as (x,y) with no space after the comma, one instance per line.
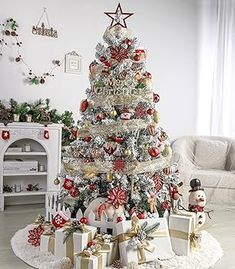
(17,217)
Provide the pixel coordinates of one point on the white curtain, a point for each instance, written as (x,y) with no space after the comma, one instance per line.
(216,99)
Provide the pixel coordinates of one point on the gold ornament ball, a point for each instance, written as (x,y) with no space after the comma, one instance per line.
(109,177)
(156,117)
(127,152)
(113,113)
(56,181)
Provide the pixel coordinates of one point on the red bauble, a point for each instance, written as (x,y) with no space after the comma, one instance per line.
(46,134)
(148,75)
(102,59)
(92,186)
(154,152)
(119,219)
(84,220)
(68,184)
(59,220)
(137,58)
(74,192)
(150,111)
(35,236)
(156,98)
(90,244)
(5,134)
(101,116)
(87,138)
(141,216)
(166,206)
(118,139)
(84,105)
(128,42)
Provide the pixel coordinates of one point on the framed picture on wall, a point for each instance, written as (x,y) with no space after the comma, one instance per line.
(73,63)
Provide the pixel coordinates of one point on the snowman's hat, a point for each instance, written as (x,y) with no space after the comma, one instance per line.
(195,184)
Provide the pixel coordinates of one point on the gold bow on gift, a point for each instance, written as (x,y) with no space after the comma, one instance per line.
(144,245)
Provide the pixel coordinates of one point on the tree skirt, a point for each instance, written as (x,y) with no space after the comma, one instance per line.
(206,257)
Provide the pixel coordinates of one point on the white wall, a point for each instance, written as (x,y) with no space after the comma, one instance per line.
(167,29)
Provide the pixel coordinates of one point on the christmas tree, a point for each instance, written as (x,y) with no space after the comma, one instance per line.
(121,160)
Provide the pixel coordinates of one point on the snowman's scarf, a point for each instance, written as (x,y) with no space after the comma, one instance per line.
(196,208)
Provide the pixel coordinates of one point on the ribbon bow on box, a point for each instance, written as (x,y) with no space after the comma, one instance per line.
(139,236)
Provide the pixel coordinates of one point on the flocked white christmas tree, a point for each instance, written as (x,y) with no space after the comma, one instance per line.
(121,160)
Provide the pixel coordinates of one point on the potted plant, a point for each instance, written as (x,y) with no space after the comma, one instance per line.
(24,109)
(15,109)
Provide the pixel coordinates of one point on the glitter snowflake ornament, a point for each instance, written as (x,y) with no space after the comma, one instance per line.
(117,197)
(35,235)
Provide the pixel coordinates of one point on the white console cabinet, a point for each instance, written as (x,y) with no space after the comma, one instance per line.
(27,145)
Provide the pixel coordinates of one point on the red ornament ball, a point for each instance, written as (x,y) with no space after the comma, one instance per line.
(84,220)
(156,98)
(150,111)
(141,216)
(137,57)
(87,138)
(92,186)
(74,192)
(119,219)
(154,152)
(148,75)
(90,244)
(101,116)
(118,139)
(128,42)
(84,105)
(102,59)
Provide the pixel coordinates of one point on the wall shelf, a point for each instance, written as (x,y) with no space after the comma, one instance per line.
(46,152)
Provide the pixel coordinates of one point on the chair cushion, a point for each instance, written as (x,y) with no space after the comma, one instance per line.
(211,154)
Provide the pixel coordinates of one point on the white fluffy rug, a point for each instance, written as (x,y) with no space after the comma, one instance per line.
(206,257)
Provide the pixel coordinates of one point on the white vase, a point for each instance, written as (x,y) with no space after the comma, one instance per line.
(16,117)
(28,117)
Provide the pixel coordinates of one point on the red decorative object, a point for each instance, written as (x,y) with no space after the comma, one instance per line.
(117,197)
(141,216)
(156,98)
(118,139)
(90,244)
(154,152)
(118,53)
(5,134)
(150,111)
(158,181)
(110,148)
(84,105)
(35,236)
(148,75)
(87,138)
(118,165)
(102,59)
(119,219)
(128,42)
(46,134)
(74,192)
(59,220)
(118,17)
(101,116)
(68,184)
(84,220)
(166,205)
(140,112)
(92,186)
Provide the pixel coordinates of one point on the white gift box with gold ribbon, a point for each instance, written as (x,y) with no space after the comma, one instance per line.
(47,243)
(183,234)
(97,261)
(74,244)
(133,247)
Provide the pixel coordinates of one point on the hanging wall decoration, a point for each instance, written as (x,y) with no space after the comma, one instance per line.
(9,39)
(73,63)
(42,29)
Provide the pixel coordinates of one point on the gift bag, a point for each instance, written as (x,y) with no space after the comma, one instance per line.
(144,240)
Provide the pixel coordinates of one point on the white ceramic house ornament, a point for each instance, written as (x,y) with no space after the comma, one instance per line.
(197,201)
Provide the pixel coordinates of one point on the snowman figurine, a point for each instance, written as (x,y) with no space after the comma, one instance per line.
(197,201)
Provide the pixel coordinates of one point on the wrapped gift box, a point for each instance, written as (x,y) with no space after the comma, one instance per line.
(181,228)
(110,244)
(47,243)
(158,248)
(74,244)
(97,261)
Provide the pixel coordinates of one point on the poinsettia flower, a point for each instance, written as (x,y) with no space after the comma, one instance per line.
(117,197)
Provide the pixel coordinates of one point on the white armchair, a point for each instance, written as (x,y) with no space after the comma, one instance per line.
(212,160)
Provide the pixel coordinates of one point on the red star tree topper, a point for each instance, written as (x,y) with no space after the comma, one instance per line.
(118,17)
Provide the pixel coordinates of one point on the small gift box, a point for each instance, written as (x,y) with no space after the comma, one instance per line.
(183,234)
(144,240)
(91,258)
(47,243)
(73,238)
(109,244)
